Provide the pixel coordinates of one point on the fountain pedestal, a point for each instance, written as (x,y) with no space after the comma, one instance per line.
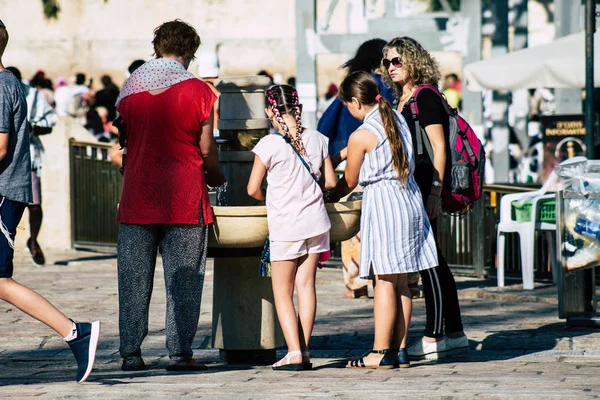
(245,326)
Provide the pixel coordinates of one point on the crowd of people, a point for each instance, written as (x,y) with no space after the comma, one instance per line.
(166,130)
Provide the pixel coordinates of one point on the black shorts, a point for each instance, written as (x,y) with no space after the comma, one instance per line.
(10,215)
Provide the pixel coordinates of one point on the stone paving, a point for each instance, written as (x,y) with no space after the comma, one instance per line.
(519,347)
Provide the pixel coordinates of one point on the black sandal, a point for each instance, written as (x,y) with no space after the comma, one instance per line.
(388,361)
(403,360)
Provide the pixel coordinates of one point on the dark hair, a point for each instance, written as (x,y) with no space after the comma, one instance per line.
(263,72)
(362,86)
(367,58)
(37,79)
(3,39)
(177,38)
(291,81)
(15,72)
(452,75)
(283,99)
(106,81)
(135,65)
(47,84)
(80,79)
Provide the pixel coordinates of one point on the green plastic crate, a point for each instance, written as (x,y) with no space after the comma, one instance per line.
(522,211)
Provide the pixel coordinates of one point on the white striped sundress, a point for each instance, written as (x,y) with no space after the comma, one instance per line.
(396,236)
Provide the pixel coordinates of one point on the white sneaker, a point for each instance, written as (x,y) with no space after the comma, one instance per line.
(428,351)
(457,346)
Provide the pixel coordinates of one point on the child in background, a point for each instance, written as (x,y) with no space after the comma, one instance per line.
(296,159)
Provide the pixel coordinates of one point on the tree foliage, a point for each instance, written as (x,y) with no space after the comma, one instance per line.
(51,9)
(436,5)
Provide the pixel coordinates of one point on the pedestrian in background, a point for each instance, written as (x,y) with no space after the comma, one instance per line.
(15,194)
(115,153)
(406,66)
(42,118)
(107,97)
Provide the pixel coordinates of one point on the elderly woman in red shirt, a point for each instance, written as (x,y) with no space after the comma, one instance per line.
(170,158)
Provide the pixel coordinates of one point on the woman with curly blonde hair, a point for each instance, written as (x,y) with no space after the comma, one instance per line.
(406,66)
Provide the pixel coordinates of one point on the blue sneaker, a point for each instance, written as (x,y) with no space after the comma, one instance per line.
(84,348)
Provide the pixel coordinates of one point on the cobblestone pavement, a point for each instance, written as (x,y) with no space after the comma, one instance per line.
(519,347)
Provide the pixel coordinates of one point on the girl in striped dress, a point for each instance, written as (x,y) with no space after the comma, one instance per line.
(396,235)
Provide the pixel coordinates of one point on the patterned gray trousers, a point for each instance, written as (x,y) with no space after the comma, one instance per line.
(184,260)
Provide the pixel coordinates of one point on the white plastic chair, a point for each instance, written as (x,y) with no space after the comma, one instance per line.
(526,231)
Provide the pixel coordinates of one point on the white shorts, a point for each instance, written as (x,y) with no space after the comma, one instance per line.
(284,251)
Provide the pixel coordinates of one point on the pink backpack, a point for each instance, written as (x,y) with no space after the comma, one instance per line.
(463,181)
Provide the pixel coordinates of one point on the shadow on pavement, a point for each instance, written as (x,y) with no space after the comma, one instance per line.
(89,258)
(106,371)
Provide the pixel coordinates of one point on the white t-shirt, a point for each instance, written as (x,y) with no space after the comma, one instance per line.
(62,99)
(295,207)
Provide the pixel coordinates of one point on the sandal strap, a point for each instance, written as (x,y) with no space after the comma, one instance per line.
(379,351)
(286,359)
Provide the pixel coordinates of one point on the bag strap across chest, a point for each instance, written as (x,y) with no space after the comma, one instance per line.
(304,162)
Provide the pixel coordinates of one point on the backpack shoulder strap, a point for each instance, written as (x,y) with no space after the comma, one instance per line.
(447,107)
(420,133)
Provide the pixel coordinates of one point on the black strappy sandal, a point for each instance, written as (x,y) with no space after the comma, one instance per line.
(403,360)
(389,360)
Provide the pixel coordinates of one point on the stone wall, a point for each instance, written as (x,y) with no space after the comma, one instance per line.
(100,37)
(103,37)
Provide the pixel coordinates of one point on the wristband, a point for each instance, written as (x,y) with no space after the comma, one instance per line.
(435,195)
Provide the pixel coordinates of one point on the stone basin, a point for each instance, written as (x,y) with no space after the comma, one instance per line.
(246,226)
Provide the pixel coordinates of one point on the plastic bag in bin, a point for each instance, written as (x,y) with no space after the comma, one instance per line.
(581,238)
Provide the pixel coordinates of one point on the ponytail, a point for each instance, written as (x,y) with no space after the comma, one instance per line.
(362,86)
(394,136)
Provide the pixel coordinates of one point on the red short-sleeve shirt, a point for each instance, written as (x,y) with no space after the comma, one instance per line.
(164,176)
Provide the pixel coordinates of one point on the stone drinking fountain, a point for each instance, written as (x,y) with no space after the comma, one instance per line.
(244,325)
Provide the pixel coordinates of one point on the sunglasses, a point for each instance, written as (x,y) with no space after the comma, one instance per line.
(395,61)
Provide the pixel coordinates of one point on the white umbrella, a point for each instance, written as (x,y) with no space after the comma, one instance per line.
(560,64)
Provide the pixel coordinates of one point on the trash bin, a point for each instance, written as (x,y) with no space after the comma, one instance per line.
(578,241)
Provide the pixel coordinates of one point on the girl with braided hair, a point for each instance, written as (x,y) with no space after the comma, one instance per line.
(396,238)
(297,163)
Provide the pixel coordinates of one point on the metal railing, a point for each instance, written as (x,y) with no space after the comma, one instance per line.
(467,241)
(95,191)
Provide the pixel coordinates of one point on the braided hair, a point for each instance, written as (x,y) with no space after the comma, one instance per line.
(283,99)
